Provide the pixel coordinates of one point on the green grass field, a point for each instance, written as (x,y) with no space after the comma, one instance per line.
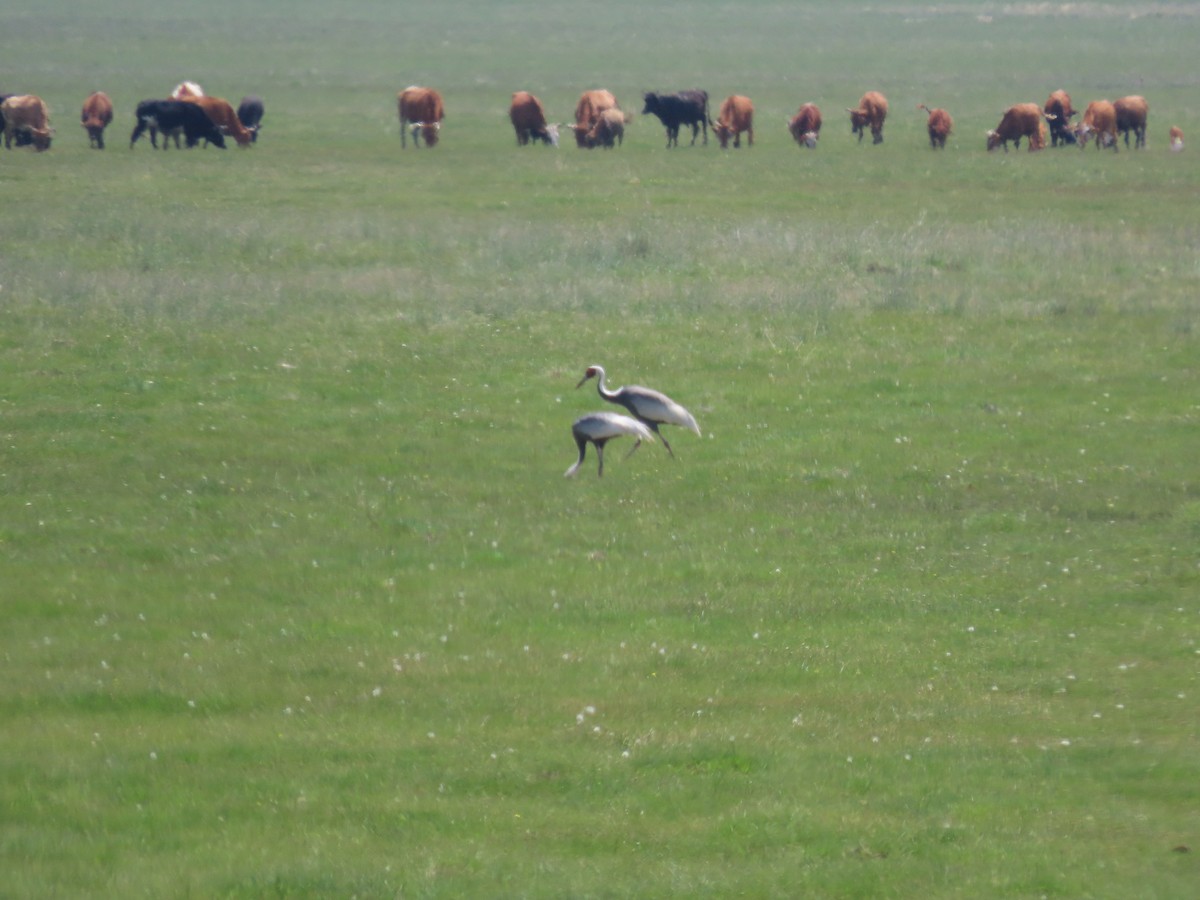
(296,601)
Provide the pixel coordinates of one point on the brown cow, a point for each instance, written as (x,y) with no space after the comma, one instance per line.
(805,125)
(422,107)
(529,120)
(1020,120)
(735,116)
(1176,138)
(609,130)
(26,120)
(1131,116)
(872,110)
(1058,112)
(96,116)
(223,116)
(587,111)
(939,125)
(1099,119)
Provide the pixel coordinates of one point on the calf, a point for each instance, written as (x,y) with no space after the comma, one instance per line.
(422,107)
(528,119)
(735,116)
(609,130)
(26,121)
(170,115)
(1131,116)
(250,114)
(939,126)
(1058,114)
(1019,120)
(682,108)
(872,110)
(805,125)
(96,116)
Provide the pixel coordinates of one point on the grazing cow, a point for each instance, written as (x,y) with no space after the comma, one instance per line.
(682,108)
(1099,120)
(872,110)
(1020,120)
(529,120)
(422,107)
(735,116)
(1058,112)
(939,125)
(186,89)
(587,111)
(609,130)
(1176,138)
(1131,116)
(223,116)
(26,121)
(805,125)
(96,116)
(171,115)
(250,114)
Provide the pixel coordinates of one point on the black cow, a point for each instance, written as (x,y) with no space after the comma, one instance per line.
(683,108)
(250,113)
(168,115)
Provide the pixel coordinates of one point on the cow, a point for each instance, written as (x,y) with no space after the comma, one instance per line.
(528,119)
(1099,119)
(735,116)
(223,116)
(1058,114)
(96,115)
(26,121)
(186,89)
(250,114)
(422,107)
(872,110)
(1131,116)
(939,125)
(609,130)
(1176,138)
(1020,120)
(171,115)
(674,110)
(805,125)
(587,110)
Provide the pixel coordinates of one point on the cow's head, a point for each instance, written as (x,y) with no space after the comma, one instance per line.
(430,132)
(993,140)
(809,139)
(550,135)
(859,119)
(1082,132)
(723,132)
(651,106)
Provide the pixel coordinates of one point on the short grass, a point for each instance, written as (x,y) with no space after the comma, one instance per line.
(297,603)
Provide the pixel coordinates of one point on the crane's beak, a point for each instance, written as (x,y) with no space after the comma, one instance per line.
(581,381)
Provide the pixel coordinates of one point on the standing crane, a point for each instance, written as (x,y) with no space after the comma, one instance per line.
(601,427)
(646,405)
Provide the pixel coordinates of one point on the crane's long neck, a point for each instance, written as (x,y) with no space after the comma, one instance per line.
(602,387)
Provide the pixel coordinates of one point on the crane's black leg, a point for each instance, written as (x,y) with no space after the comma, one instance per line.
(654,428)
(600,456)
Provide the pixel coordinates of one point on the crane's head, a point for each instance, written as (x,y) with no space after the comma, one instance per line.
(592,372)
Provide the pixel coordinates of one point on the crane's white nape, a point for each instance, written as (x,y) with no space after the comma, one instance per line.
(598,429)
(648,406)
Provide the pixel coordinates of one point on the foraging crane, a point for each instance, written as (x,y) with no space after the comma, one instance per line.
(601,427)
(646,405)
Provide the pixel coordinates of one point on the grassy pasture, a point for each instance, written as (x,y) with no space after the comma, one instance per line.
(297,603)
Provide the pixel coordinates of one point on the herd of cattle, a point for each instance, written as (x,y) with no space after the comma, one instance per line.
(187,113)
(599,120)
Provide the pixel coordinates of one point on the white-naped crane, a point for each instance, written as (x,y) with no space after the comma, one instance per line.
(646,405)
(601,427)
